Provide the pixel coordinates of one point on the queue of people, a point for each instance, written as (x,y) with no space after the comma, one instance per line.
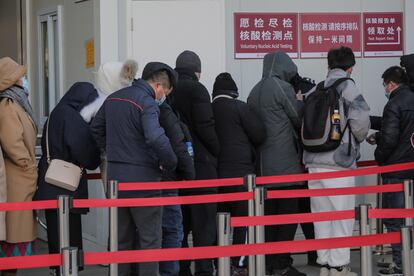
(165,126)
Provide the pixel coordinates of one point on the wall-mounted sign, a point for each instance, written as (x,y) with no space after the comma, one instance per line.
(383,34)
(323,31)
(90,54)
(257,34)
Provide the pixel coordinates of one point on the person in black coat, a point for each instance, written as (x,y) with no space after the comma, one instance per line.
(127,127)
(192,102)
(239,130)
(395,144)
(172,227)
(70,139)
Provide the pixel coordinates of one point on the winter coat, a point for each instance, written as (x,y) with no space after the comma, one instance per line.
(353,109)
(18,141)
(395,141)
(3,196)
(239,130)
(192,101)
(407,61)
(274,99)
(174,129)
(127,127)
(70,139)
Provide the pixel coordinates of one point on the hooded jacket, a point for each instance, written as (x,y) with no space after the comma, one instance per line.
(192,102)
(70,139)
(274,99)
(352,108)
(395,141)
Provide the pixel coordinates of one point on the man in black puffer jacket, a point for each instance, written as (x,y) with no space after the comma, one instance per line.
(192,101)
(395,144)
(239,130)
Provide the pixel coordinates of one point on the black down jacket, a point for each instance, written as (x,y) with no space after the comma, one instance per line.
(239,130)
(70,139)
(396,138)
(192,101)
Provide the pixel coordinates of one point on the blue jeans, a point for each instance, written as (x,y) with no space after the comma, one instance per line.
(172,235)
(394,201)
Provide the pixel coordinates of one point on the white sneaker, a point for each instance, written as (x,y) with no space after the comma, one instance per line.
(324,271)
(346,271)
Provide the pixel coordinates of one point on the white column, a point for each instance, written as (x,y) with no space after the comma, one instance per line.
(409,26)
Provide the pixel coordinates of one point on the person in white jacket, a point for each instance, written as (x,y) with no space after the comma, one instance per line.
(110,77)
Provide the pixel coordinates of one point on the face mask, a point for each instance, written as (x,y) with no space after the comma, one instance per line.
(387,95)
(161,100)
(25,83)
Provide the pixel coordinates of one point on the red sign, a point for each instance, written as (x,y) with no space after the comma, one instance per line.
(383,34)
(322,31)
(256,34)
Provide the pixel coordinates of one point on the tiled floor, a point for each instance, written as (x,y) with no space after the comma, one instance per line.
(299,262)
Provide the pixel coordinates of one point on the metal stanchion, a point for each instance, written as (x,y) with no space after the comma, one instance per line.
(64,202)
(366,256)
(408,199)
(259,200)
(223,233)
(70,261)
(407,247)
(250,182)
(113,225)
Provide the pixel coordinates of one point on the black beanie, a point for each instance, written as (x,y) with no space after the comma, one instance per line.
(188,60)
(225,85)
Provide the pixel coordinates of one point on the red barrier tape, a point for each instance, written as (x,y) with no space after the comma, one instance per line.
(30,261)
(367,163)
(157,255)
(161,201)
(391,213)
(94,176)
(140,186)
(195,253)
(337,174)
(336,191)
(291,218)
(29,205)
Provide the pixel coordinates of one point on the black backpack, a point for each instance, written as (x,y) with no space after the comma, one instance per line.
(317,114)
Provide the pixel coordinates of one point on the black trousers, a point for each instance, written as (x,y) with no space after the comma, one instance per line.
(75,236)
(307,228)
(276,233)
(236,209)
(200,220)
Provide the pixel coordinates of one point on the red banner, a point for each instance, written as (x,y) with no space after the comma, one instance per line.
(383,34)
(322,31)
(256,34)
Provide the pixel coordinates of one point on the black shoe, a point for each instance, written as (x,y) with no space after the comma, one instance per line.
(289,271)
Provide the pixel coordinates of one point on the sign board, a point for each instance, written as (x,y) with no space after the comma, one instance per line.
(90,54)
(383,34)
(323,31)
(256,34)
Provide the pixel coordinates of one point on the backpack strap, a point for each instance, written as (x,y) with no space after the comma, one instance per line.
(339,81)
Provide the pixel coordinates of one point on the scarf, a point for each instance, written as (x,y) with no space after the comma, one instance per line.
(19,96)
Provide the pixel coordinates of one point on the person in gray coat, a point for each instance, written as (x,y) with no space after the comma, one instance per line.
(275,100)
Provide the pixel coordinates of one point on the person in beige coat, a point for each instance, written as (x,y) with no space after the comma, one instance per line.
(17,139)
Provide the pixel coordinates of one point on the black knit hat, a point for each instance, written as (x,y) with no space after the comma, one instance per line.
(225,85)
(188,60)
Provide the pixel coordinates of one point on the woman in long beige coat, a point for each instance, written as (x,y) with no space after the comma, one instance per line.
(18,139)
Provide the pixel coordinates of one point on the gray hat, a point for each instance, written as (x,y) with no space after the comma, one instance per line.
(189,60)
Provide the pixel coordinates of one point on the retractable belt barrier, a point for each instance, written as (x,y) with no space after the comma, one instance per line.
(207,252)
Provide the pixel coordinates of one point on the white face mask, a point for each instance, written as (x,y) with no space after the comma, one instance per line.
(161,100)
